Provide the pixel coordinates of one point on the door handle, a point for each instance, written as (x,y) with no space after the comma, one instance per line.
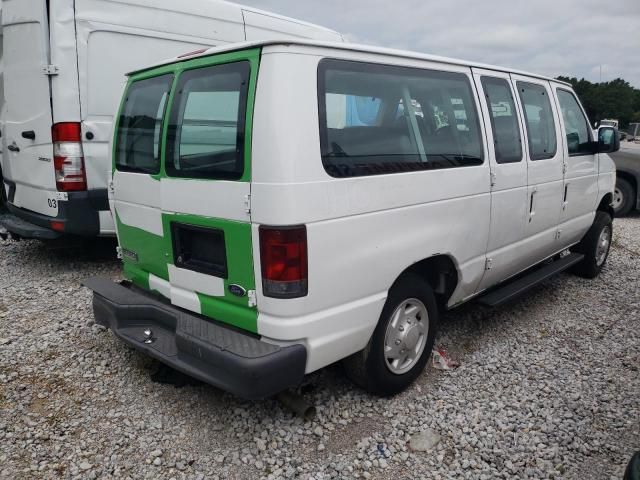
(564,201)
(532,209)
(29,134)
(13,147)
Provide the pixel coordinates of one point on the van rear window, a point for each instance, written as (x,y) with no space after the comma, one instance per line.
(378,119)
(140,125)
(206,128)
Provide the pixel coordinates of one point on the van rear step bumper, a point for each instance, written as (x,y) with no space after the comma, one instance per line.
(225,357)
(22,228)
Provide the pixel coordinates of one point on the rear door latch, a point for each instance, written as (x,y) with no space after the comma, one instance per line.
(50,70)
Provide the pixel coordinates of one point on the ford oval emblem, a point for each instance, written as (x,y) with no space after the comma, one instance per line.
(237,290)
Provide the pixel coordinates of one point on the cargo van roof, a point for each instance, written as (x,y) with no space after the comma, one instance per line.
(282,17)
(348,47)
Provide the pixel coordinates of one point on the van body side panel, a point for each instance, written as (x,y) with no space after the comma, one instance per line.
(115,37)
(265,26)
(28,163)
(149,208)
(362,232)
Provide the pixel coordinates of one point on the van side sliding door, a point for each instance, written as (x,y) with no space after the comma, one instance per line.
(506,250)
(545,162)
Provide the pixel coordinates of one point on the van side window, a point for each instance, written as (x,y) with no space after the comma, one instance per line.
(206,128)
(140,125)
(379,119)
(538,117)
(576,124)
(504,120)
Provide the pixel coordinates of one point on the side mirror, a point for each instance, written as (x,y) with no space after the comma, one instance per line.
(608,140)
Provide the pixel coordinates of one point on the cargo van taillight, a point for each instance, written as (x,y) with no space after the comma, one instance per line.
(283,255)
(68,157)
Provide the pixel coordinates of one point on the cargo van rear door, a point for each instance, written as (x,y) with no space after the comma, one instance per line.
(184,224)
(27,149)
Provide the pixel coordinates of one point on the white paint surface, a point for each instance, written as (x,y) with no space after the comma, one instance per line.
(196,282)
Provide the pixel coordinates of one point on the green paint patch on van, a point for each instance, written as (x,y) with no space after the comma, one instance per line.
(229,308)
(143,253)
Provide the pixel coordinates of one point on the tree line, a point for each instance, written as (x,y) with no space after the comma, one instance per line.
(616,99)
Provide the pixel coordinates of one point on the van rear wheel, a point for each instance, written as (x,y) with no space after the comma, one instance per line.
(402,342)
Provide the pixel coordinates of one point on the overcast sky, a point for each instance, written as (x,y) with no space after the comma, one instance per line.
(551,37)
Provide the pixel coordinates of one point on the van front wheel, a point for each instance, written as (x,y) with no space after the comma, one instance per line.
(595,246)
(3,195)
(402,342)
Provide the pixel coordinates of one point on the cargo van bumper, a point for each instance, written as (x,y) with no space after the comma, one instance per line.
(78,215)
(24,229)
(225,357)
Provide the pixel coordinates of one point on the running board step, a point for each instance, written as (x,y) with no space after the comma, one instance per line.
(513,289)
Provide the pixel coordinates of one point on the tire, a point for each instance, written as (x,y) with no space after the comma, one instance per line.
(370,368)
(623,197)
(592,244)
(3,193)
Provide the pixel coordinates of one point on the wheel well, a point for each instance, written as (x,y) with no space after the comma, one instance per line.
(605,204)
(441,274)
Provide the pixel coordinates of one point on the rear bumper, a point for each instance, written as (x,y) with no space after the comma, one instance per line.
(227,358)
(79,215)
(23,228)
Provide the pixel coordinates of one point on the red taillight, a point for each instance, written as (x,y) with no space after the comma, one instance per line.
(283,255)
(57,226)
(68,157)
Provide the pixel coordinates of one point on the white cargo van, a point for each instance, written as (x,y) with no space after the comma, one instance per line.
(283,206)
(65,62)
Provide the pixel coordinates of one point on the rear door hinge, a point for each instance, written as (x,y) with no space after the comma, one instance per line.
(111,189)
(119,252)
(564,167)
(492,177)
(247,203)
(488,264)
(50,70)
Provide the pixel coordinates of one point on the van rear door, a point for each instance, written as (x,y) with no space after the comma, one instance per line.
(28,163)
(184,222)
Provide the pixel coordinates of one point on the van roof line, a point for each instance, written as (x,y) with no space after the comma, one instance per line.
(353,47)
(283,17)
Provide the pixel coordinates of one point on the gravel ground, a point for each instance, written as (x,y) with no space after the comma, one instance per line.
(548,387)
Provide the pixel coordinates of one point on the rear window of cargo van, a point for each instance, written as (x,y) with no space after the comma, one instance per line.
(140,125)
(207,122)
(379,119)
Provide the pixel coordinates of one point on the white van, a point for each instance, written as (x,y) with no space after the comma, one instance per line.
(283,206)
(65,62)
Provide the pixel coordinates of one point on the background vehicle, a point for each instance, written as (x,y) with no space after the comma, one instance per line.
(64,63)
(627,193)
(606,122)
(281,207)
